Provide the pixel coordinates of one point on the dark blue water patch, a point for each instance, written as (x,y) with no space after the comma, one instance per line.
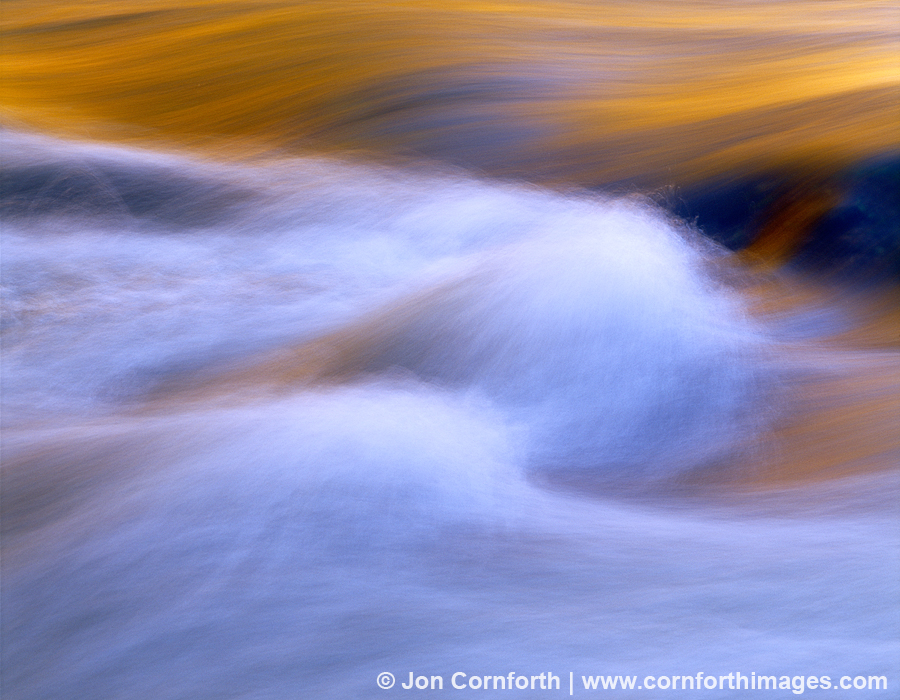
(116,190)
(729,210)
(861,236)
(857,236)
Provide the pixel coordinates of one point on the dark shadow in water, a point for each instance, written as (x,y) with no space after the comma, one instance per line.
(845,225)
(158,194)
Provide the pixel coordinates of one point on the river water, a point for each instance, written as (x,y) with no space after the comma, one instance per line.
(281,416)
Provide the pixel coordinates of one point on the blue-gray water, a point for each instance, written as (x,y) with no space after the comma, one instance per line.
(273,429)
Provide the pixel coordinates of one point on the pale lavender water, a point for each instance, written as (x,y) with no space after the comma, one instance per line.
(296,542)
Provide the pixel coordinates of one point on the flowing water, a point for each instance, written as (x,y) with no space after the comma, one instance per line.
(522,339)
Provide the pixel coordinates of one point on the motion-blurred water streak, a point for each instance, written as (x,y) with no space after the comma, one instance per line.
(495,338)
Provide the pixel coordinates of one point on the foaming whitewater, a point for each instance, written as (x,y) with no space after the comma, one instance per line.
(273,429)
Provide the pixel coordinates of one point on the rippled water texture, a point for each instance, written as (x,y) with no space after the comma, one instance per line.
(590,91)
(423,338)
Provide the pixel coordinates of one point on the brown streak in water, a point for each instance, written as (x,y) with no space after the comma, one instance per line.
(839,395)
(369,346)
(790,224)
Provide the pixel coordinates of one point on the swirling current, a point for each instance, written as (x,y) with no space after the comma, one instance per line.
(512,339)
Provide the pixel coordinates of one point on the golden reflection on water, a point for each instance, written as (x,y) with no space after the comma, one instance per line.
(591,92)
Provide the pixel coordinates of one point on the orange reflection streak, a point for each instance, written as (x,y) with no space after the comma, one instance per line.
(575,91)
(839,393)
